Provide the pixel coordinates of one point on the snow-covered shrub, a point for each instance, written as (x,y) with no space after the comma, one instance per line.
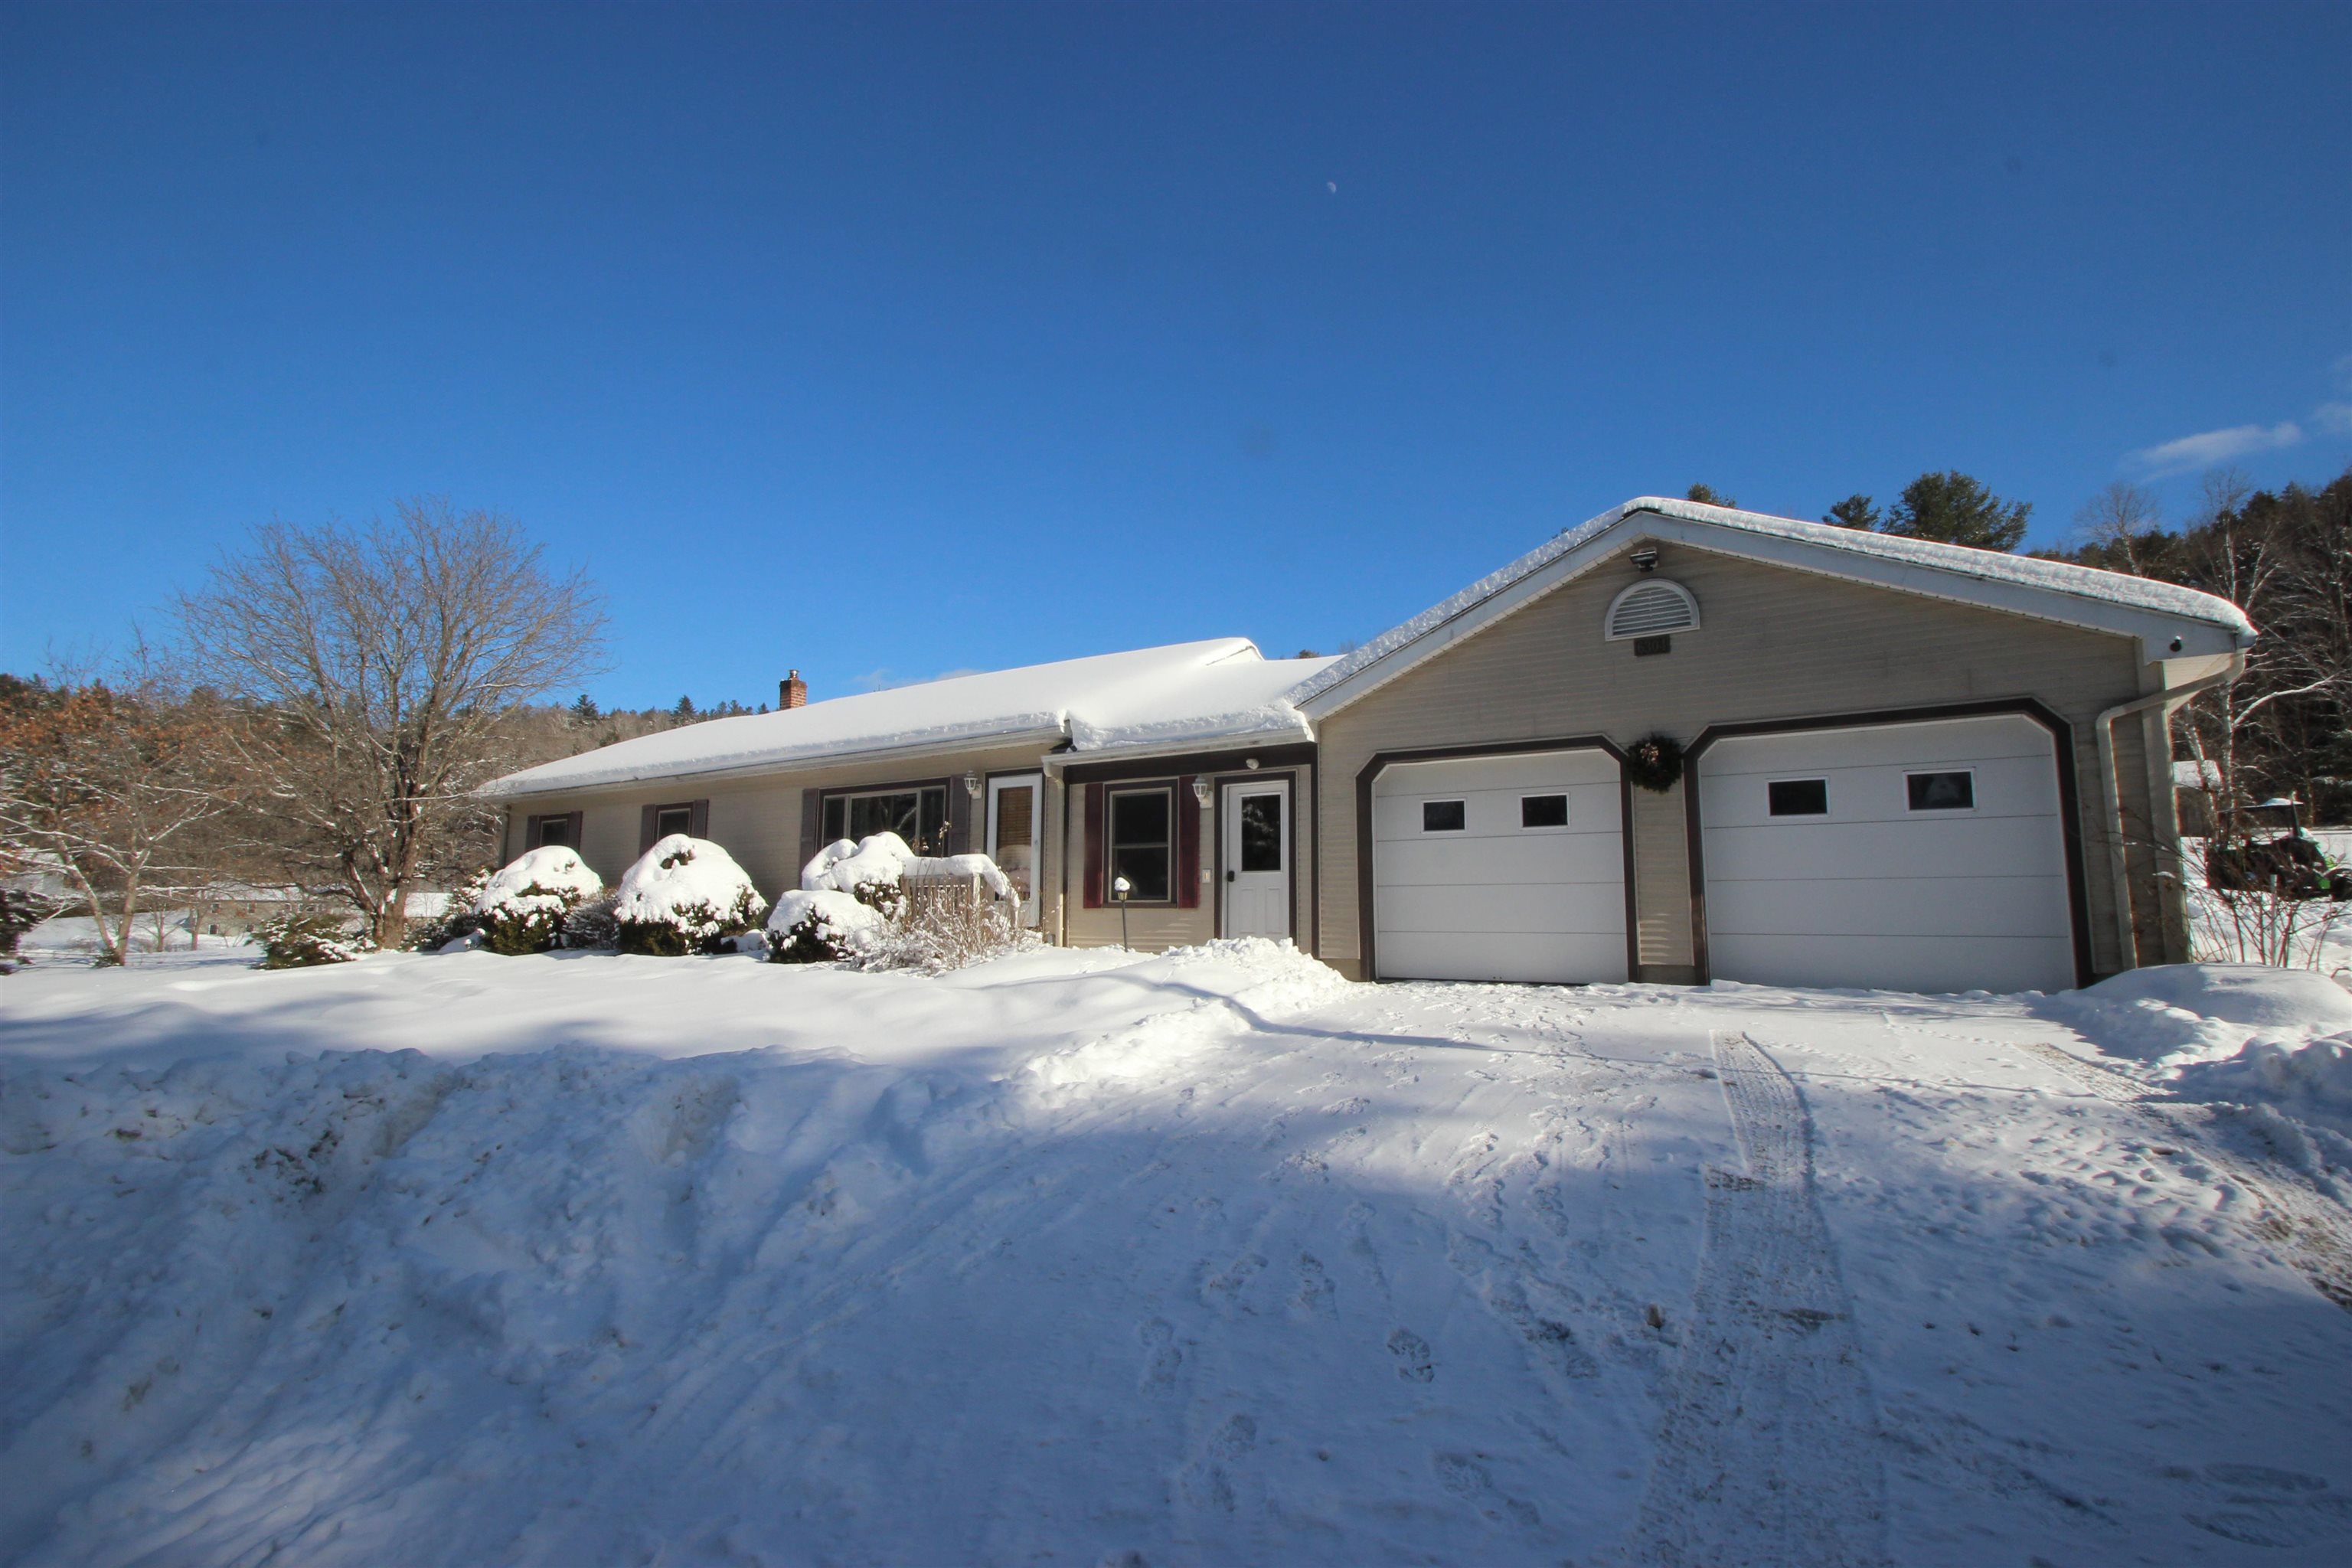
(867,870)
(303,942)
(591,923)
(523,908)
(817,927)
(683,896)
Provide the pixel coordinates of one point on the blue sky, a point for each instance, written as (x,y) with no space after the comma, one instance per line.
(885,342)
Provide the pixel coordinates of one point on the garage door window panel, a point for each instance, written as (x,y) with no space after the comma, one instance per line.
(1141,829)
(1443,816)
(1797,797)
(1538,811)
(1954,790)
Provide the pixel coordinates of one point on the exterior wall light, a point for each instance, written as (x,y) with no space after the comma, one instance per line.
(1200,790)
(972,784)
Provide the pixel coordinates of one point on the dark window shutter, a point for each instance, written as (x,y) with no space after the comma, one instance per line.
(577,837)
(963,814)
(811,828)
(648,826)
(1092,808)
(1188,846)
(529,834)
(698,819)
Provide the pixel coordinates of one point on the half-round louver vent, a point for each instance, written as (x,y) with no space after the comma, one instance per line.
(1652,607)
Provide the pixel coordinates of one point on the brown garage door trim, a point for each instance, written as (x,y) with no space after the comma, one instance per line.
(1379,761)
(2062,756)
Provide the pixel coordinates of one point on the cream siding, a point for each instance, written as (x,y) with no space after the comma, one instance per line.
(1773,643)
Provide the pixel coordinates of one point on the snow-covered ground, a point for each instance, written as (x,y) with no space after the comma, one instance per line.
(1202,1258)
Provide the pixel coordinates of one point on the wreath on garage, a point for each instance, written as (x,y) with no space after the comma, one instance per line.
(1654,763)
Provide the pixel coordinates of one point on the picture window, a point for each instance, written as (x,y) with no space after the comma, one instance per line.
(1543,811)
(1797,797)
(1955,790)
(1443,816)
(918,815)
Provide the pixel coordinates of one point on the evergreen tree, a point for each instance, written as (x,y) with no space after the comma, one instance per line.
(1706,495)
(586,711)
(684,710)
(1958,509)
(1854,511)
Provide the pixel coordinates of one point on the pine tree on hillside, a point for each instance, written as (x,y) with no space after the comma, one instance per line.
(1854,511)
(1958,509)
(1706,495)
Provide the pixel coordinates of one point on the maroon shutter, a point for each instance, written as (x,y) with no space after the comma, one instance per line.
(811,828)
(1093,898)
(647,826)
(576,838)
(1188,846)
(698,818)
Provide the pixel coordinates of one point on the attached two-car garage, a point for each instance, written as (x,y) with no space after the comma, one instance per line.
(1920,856)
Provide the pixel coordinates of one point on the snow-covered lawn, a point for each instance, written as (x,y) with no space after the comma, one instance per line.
(1209,1257)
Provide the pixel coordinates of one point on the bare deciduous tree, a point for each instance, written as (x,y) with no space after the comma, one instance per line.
(377,668)
(2119,517)
(109,785)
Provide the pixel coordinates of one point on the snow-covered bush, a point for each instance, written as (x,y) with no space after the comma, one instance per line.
(523,908)
(304,942)
(684,896)
(879,905)
(817,927)
(591,923)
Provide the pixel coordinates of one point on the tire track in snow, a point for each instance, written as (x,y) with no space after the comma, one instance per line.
(1769,1452)
(2312,1232)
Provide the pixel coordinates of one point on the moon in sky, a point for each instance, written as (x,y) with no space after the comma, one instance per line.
(1331,185)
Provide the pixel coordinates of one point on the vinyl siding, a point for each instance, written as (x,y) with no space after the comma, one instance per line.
(1773,643)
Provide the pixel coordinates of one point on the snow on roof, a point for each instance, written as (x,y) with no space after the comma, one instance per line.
(1986,565)
(1224,702)
(1219,686)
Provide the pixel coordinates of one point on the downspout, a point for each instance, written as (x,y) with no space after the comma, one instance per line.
(2111,794)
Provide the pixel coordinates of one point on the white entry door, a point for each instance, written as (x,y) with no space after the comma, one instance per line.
(1258,858)
(1015,814)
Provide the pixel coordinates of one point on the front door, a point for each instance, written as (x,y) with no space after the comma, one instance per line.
(1015,814)
(1258,858)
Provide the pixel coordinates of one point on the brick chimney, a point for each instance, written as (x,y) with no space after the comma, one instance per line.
(792,691)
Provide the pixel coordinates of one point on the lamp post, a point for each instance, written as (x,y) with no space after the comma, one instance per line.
(1119,888)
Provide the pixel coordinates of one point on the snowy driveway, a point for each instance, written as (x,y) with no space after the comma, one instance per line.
(1206,1258)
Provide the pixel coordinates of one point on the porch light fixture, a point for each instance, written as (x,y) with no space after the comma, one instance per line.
(972,784)
(1200,792)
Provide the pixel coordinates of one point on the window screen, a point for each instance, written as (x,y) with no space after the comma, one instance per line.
(918,815)
(1442,816)
(1797,797)
(1543,811)
(1139,828)
(1942,792)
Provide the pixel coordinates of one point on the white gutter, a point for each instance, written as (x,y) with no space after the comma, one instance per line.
(2111,794)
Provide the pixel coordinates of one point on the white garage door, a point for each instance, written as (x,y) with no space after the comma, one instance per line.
(1910,857)
(1508,868)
